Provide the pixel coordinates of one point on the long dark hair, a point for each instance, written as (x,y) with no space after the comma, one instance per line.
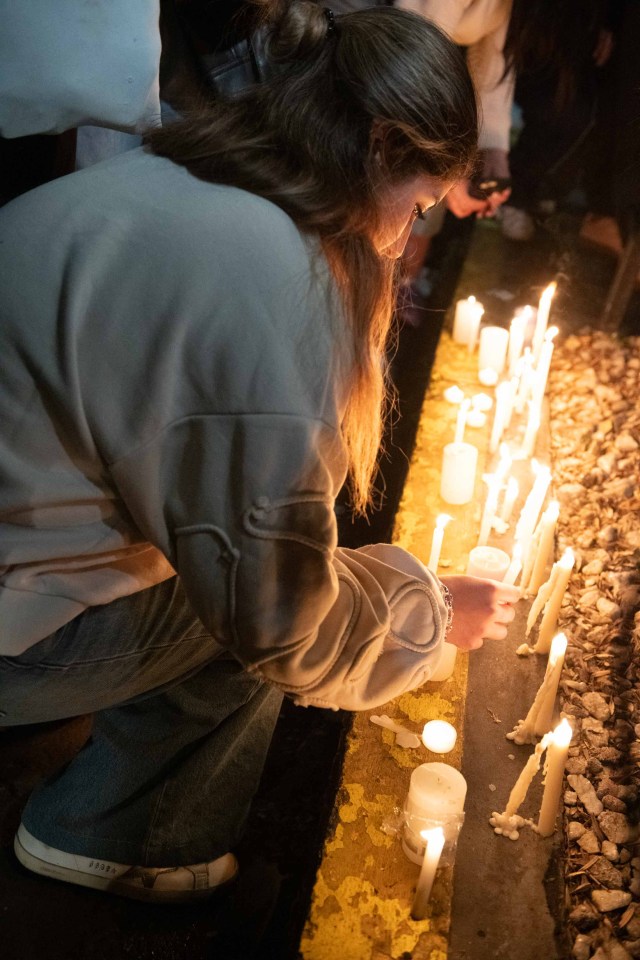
(303,141)
(554,38)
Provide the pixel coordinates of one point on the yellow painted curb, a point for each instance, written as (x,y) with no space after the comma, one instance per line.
(365,884)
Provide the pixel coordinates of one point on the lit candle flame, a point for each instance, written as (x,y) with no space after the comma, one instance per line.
(435,836)
(558,648)
(567,559)
(551,333)
(562,734)
(548,293)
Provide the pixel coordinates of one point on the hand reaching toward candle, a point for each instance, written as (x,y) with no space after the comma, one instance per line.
(482,609)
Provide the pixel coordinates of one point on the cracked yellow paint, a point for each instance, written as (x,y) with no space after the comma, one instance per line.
(365,921)
(407,759)
(373,813)
(336,842)
(365,886)
(420,707)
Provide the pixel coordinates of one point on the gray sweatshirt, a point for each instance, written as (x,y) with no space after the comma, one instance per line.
(173,374)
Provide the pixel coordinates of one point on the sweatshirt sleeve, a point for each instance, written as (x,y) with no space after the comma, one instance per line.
(243,508)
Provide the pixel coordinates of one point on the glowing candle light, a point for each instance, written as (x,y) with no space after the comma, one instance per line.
(542,318)
(436,541)
(555,762)
(538,720)
(553,604)
(439,736)
(433,850)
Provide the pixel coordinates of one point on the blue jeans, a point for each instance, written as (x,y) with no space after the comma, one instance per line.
(179,740)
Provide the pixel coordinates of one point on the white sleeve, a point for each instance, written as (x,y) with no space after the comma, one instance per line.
(485,60)
(481,27)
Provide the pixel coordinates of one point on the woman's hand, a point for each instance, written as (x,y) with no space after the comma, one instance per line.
(481,610)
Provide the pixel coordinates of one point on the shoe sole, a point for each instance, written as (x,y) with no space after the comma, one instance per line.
(122,889)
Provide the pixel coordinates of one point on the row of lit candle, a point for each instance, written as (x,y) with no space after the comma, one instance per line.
(528,327)
(526,353)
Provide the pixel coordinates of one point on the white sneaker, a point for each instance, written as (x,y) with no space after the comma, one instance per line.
(160,884)
(516,223)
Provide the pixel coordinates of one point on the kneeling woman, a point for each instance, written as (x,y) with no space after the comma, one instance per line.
(192,362)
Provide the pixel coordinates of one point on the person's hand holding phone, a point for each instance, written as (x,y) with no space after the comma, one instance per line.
(487,191)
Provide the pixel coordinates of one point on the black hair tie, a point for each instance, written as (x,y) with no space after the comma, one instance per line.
(331,22)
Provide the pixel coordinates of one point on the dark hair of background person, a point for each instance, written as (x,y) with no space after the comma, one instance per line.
(303,140)
(554,37)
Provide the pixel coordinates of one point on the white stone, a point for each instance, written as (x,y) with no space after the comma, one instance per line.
(581,949)
(597,705)
(589,842)
(625,443)
(586,793)
(608,608)
(616,827)
(606,900)
(610,851)
(575,829)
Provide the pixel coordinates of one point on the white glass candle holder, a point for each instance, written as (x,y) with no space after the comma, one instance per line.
(436,798)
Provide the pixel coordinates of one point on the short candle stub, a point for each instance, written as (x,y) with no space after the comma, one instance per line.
(439,736)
